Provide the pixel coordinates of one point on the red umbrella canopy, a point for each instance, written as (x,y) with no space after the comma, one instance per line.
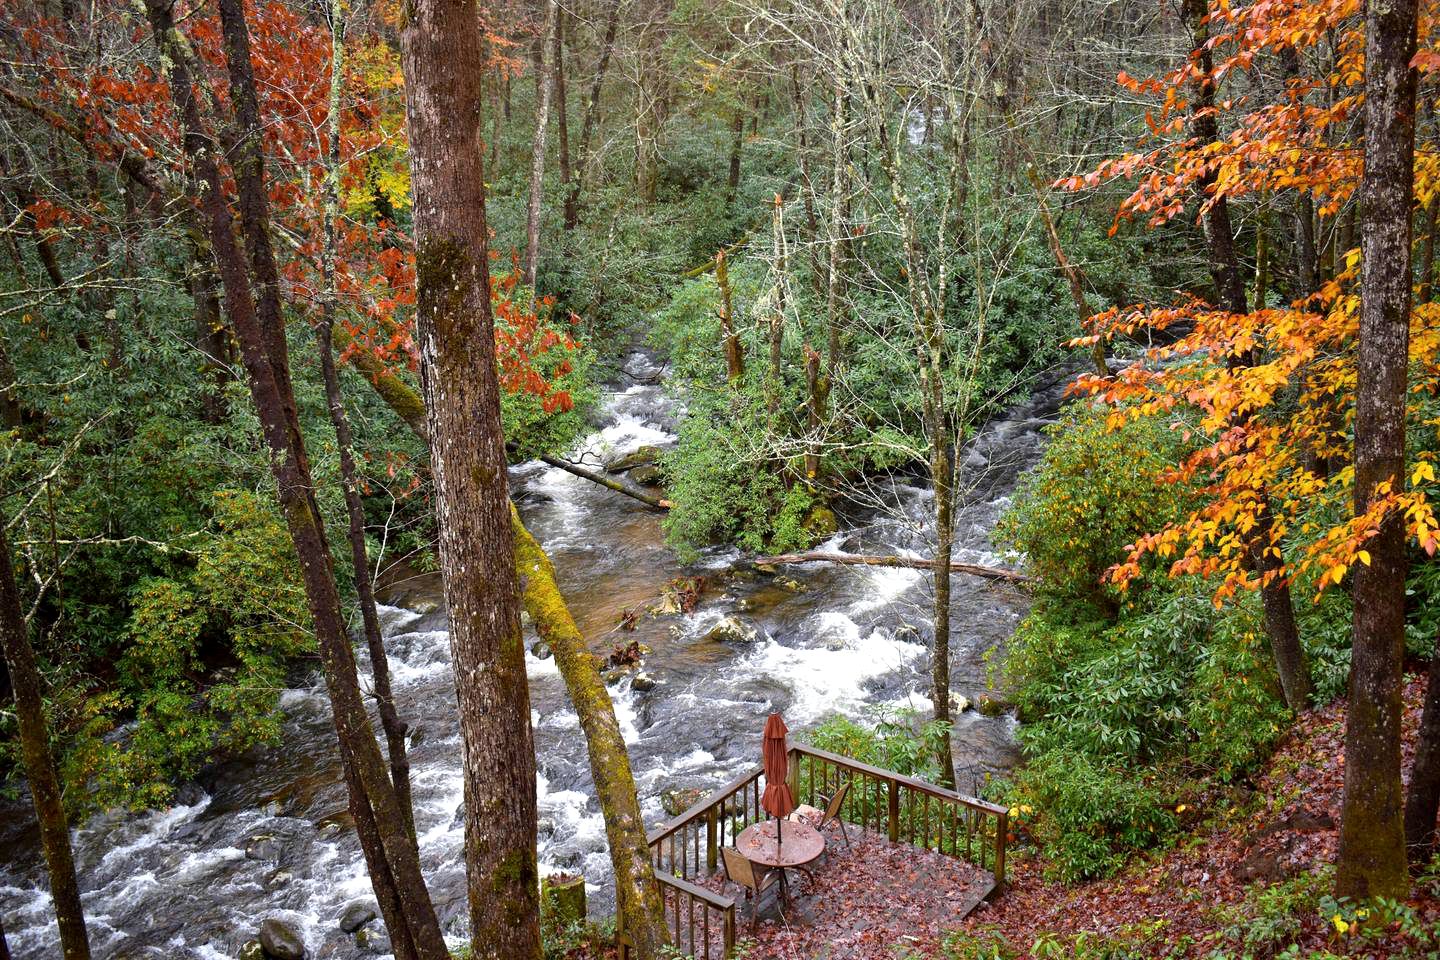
(777,800)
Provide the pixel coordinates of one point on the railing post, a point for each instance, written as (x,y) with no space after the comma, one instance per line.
(793,775)
(894,809)
(730,932)
(1002,831)
(711,852)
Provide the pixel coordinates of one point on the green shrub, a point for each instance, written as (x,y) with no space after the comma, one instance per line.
(1093,494)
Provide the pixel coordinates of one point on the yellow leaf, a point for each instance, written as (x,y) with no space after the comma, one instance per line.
(1364,557)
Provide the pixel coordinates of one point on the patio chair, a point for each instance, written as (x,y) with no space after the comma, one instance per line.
(833,803)
(754,879)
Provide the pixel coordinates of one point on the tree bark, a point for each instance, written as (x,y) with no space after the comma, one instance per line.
(390,722)
(659,503)
(562,116)
(545,86)
(1371,860)
(441,55)
(389,850)
(39,764)
(636,895)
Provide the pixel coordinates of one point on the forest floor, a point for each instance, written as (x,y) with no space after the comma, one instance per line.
(1209,890)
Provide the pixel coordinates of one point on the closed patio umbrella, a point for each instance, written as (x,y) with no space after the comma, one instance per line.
(775,754)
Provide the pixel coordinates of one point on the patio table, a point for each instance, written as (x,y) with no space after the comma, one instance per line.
(802,845)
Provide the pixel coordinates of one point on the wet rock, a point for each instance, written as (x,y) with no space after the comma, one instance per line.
(251,950)
(958,703)
(545,827)
(643,682)
(277,879)
(424,605)
(541,650)
(732,630)
(791,584)
(990,705)
(613,676)
(417,735)
(647,475)
(821,522)
(280,941)
(768,568)
(356,916)
(677,800)
(263,846)
(373,941)
(639,457)
(907,633)
(189,794)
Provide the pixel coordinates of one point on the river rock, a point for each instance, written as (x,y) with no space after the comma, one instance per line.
(821,522)
(278,878)
(424,605)
(732,630)
(643,681)
(990,705)
(356,916)
(677,800)
(648,475)
(280,941)
(958,703)
(251,950)
(545,826)
(263,846)
(189,794)
(373,941)
(639,457)
(541,650)
(791,584)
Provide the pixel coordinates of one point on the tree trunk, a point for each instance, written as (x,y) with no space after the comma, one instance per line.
(774,380)
(737,143)
(38,763)
(1371,860)
(1279,609)
(389,850)
(1422,799)
(562,116)
(545,86)
(815,403)
(441,56)
(636,896)
(390,722)
(734,349)
(592,115)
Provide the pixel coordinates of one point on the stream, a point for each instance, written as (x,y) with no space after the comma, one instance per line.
(267,835)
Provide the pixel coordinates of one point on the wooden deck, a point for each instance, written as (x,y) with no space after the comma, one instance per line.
(922,858)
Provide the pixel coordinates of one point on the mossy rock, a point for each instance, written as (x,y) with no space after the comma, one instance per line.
(821,522)
(640,456)
(990,705)
(647,475)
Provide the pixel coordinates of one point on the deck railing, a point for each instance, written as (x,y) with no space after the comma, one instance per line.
(701,922)
(904,808)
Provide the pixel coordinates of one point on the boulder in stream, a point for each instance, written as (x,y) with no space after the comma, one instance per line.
(280,941)
(677,800)
(732,630)
(356,916)
(251,950)
(643,681)
(541,650)
(647,475)
(263,846)
(373,941)
(639,457)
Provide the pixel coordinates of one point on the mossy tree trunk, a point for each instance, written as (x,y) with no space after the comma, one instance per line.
(39,764)
(636,895)
(1371,860)
(389,849)
(442,58)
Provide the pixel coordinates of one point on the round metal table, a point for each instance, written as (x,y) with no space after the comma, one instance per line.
(798,846)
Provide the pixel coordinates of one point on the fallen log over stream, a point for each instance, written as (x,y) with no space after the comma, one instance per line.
(618,486)
(866,560)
